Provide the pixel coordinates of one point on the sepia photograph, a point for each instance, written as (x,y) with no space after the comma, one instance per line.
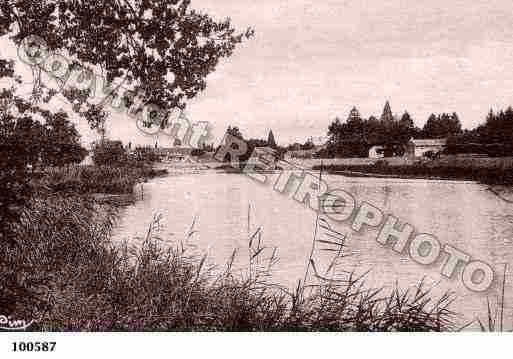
(254,166)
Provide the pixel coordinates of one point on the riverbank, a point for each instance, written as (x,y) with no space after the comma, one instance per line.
(444,169)
(89,179)
(75,278)
(489,176)
(97,287)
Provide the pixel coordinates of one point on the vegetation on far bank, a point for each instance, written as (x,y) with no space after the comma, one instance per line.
(97,179)
(490,176)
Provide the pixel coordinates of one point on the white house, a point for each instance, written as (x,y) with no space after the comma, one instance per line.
(417,148)
(376,152)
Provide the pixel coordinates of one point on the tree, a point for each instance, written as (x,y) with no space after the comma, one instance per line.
(32,137)
(14,180)
(355,137)
(308,145)
(22,140)
(387,115)
(442,126)
(294,147)
(407,121)
(112,153)
(494,137)
(270,140)
(161,49)
(61,141)
(234,131)
(354,116)
(96,116)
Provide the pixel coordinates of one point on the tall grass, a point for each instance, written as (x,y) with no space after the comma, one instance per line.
(495,317)
(69,276)
(96,179)
(55,237)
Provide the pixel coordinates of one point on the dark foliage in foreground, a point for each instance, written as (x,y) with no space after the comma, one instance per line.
(68,275)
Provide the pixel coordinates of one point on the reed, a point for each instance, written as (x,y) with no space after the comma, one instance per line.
(96,179)
(495,314)
(70,276)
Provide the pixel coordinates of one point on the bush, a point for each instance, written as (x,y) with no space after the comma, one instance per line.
(109,153)
(96,179)
(197,152)
(146,154)
(62,142)
(56,236)
(381,163)
(432,155)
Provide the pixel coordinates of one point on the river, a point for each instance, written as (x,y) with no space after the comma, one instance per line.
(465,215)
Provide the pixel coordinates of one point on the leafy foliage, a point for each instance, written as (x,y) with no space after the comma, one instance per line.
(26,142)
(61,142)
(14,180)
(110,153)
(493,138)
(441,126)
(145,154)
(163,50)
(355,137)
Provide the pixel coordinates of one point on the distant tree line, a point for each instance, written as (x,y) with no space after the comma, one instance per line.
(307,146)
(252,143)
(492,138)
(441,126)
(355,137)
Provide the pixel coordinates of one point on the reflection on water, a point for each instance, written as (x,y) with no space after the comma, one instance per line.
(464,214)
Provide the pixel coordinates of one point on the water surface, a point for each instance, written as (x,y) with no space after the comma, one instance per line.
(464,214)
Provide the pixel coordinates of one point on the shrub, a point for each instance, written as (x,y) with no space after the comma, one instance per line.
(96,179)
(197,152)
(381,163)
(432,155)
(61,143)
(109,153)
(146,154)
(56,236)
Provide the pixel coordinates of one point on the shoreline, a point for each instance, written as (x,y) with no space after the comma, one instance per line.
(356,174)
(486,176)
(122,278)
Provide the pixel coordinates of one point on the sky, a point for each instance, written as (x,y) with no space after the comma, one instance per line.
(311,61)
